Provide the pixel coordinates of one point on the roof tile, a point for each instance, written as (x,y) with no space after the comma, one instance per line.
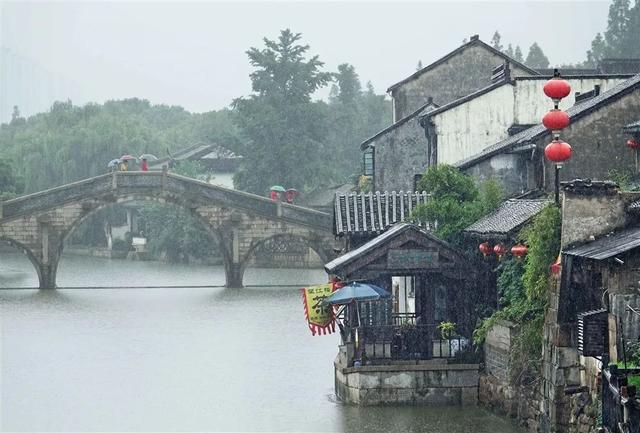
(511,215)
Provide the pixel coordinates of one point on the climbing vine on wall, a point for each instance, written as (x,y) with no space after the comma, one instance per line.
(523,288)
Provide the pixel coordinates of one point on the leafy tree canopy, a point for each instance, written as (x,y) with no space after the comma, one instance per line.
(536,57)
(11,184)
(283,74)
(495,41)
(71,142)
(290,140)
(455,201)
(620,40)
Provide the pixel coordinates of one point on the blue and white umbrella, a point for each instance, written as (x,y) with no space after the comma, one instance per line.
(355,292)
(113,163)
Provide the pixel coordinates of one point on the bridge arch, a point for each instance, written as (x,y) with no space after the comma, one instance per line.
(324,252)
(237,221)
(37,265)
(213,233)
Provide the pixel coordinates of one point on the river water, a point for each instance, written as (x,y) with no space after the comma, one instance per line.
(174,359)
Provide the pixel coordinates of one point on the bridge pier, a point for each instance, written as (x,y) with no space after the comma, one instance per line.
(234,273)
(47,276)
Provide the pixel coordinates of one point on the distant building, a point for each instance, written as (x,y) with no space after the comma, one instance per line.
(460,72)
(462,128)
(219,161)
(322,199)
(402,145)
(596,134)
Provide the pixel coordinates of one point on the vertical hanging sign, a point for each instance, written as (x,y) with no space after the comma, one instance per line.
(320,317)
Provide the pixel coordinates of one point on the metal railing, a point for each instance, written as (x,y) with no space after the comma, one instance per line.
(620,407)
(407,342)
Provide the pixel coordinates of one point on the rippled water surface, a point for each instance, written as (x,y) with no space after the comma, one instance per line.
(179,359)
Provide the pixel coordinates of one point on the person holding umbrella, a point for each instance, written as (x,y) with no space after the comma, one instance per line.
(113,165)
(144,165)
(124,164)
(290,195)
(275,192)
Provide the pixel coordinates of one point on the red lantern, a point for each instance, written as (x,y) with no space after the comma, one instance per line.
(557,151)
(500,250)
(485,248)
(557,88)
(556,120)
(633,144)
(519,251)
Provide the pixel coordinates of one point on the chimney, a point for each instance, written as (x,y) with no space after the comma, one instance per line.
(474,38)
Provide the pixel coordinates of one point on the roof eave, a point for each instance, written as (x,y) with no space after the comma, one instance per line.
(453,53)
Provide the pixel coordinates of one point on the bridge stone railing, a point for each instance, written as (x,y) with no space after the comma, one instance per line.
(155,183)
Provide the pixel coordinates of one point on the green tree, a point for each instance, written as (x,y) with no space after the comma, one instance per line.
(536,57)
(495,41)
(455,202)
(617,26)
(631,47)
(620,40)
(71,142)
(597,51)
(518,54)
(282,73)
(283,129)
(509,51)
(15,115)
(11,184)
(349,87)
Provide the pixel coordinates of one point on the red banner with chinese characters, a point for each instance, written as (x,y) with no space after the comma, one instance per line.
(319,317)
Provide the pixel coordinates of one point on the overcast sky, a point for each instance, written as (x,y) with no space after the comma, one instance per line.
(193,54)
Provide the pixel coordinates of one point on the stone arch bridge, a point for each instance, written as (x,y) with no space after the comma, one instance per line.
(240,222)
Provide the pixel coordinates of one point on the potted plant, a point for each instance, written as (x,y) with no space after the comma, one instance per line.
(442,348)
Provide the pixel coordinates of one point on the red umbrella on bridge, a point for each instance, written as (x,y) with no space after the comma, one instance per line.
(127,157)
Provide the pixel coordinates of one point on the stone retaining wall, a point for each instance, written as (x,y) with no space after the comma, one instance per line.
(518,402)
(497,390)
(428,384)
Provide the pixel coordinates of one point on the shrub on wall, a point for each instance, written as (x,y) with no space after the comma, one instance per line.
(523,288)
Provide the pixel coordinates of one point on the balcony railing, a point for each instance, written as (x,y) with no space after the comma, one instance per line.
(407,341)
(620,406)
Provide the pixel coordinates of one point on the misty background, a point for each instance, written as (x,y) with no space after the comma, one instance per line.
(194,54)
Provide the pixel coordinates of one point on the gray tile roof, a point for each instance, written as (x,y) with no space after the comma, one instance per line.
(511,215)
(474,41)
(609,245)
(380,240)
(538,131)
(324,197)
(370,213)
(196,152)
(371,245)
(456,102)
(428,106)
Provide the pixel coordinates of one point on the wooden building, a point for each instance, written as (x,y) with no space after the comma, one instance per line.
(439,278)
